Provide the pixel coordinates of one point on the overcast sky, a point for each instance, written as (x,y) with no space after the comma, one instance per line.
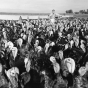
(42,6)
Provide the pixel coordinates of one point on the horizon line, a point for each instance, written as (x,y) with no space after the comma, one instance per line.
(25,13)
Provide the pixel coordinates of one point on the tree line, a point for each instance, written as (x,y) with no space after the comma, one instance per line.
(81,11)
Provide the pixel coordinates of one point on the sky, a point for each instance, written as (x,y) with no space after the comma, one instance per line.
(42,6)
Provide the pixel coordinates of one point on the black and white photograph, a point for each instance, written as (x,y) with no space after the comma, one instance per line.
(43,43)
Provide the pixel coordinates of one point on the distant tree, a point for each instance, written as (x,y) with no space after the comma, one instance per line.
(76,12)
(87,10)
(69,11)
(82,11)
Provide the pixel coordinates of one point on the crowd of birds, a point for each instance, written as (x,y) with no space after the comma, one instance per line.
(41,54)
